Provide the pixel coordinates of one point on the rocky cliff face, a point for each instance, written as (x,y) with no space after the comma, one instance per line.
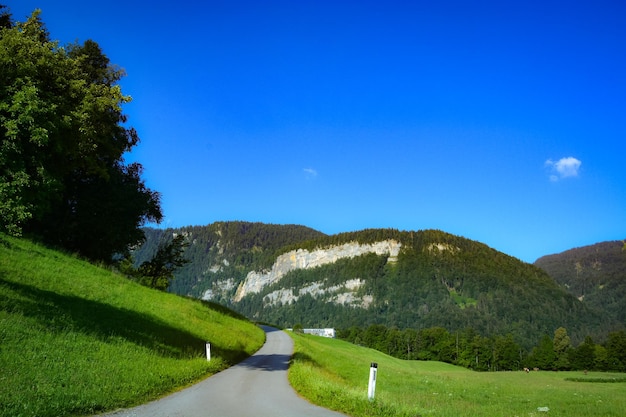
(338,294)
(303,259)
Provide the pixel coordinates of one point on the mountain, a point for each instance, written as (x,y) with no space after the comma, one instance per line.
(223,252)
(595,274)
(291,275)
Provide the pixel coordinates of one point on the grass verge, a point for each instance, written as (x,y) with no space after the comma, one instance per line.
(76,339)
(335,374)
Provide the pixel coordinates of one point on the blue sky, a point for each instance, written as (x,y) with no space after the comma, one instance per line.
(503,122)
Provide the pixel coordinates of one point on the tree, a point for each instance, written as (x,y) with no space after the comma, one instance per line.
(583,357)
(62,172)
(159,271)
(375,337)
(600,358)
(5,17)
(562,346)
(616,351)
(26,114)
(436,344)
(543,355)
(506,353)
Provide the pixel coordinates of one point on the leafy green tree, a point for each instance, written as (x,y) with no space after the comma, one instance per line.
(506,353)
(562,346)
(481,351)
(394,343)
(436,344)
(159,271)
(616,351)
(600,358)
(62,172)
(543,355)
(468,347)
(375,337)
(583,357)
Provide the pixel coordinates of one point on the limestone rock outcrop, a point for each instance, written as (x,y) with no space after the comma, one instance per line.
(303,259)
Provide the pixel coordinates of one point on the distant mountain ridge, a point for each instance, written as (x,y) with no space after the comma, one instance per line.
(595,274)
(287,275)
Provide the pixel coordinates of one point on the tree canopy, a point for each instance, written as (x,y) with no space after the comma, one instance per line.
(63,176)
(5,17)
(495,353)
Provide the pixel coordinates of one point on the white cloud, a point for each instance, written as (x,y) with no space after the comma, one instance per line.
(310,173)
(563,168)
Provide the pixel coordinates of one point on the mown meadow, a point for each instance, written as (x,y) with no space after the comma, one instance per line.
(76,339)
(335,374)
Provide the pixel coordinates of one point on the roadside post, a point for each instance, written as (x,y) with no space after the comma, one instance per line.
(371,388)
(208,351)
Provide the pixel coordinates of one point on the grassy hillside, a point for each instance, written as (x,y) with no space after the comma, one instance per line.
(76,339)
(335,374)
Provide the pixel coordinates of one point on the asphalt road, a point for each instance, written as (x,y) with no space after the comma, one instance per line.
(256,387)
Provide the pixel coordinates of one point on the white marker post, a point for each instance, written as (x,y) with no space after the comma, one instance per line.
(208,351)
(371,388)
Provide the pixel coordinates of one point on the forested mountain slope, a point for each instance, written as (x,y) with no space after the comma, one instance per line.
(595,274)
(223,251)
(294,275)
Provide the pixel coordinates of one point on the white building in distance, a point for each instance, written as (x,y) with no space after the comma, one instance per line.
(319,332)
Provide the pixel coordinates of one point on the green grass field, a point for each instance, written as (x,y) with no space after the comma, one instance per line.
(335,374)
(76,339)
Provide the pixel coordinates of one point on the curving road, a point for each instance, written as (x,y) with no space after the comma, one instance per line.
(256,387)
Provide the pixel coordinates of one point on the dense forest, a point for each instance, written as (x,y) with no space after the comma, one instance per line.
(595,274)
(497,353)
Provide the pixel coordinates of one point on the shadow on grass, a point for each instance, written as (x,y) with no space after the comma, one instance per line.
(62,313)
(304,358)
(597,380)
(222,309)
